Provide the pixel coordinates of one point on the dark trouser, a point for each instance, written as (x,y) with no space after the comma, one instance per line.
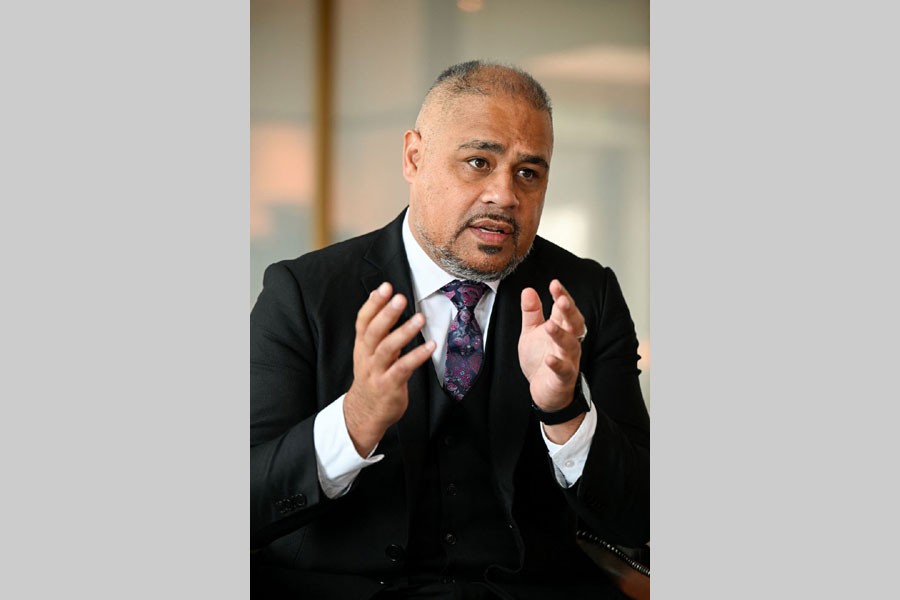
(480,591)
(440,591)
(277,583)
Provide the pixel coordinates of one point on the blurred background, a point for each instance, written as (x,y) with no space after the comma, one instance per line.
(335,83)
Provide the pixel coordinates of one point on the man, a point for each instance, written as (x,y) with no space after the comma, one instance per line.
(435,405)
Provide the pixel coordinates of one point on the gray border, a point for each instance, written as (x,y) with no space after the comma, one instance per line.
(124,314)
(774,313)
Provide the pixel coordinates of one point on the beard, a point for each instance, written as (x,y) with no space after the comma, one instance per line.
(453,264)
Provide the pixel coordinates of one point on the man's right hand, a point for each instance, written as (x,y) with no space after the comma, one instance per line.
(378,396)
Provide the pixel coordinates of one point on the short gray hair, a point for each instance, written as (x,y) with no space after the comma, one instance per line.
(486,78)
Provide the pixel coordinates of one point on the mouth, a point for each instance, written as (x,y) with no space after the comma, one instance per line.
(493,230)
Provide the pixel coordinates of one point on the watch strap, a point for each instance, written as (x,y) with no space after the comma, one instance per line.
(578,405)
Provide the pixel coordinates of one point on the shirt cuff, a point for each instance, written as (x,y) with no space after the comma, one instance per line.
(569,458)
(336,457)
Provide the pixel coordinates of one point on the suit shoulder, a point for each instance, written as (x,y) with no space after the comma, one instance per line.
(557,257)
(335,260)
(585,278)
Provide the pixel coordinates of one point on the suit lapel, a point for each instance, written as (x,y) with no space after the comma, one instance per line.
(387,259)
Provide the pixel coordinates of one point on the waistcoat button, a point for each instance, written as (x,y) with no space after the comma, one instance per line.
(394,552)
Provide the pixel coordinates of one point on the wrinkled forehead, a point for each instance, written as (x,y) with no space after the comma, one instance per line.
(497,116)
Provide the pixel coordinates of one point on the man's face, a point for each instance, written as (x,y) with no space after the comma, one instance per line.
(478,173)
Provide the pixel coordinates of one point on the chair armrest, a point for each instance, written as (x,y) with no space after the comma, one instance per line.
(624,566)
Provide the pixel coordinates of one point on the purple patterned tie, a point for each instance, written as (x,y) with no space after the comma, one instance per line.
(465,346)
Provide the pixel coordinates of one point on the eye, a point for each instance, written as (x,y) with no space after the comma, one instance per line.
(528,174)
(478,163)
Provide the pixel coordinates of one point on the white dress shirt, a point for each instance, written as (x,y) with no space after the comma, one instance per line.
(337,459)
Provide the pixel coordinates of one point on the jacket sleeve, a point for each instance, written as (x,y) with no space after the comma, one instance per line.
(613,495)
(284,486)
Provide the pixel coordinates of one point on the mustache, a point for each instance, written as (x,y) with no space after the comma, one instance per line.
(496,217)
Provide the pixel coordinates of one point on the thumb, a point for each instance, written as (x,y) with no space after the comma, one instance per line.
(532,313)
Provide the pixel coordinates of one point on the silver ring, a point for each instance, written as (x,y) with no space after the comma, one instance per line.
(583,335)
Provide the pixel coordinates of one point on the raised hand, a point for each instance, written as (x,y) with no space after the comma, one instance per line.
(550,351)
(378,396)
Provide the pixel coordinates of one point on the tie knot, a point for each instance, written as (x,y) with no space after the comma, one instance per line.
(464,293)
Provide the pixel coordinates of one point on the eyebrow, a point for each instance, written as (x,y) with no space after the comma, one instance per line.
(498,148)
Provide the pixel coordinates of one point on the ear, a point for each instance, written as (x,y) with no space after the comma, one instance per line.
(412,154)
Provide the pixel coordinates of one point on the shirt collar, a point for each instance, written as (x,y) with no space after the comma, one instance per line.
(427,277)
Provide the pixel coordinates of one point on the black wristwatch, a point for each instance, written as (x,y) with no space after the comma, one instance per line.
(579,405)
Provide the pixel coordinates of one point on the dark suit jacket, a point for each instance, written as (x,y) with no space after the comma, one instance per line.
(302,334)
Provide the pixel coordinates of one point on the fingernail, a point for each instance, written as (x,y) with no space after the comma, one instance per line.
(397,301)
(384,289)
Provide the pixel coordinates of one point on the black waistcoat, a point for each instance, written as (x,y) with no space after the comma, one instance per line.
(457,526)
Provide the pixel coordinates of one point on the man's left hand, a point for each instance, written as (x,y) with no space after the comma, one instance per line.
(550,351)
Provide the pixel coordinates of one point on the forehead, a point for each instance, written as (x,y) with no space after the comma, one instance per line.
(509,121)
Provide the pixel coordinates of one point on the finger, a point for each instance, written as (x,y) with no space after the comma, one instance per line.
(565,314)
(532,311)
(390,347)
(403,367)
(564,370)
(375,302)
(566,342)
(557,289)
(564,311)
(383,321)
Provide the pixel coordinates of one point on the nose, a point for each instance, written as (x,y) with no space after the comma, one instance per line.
(500,190)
